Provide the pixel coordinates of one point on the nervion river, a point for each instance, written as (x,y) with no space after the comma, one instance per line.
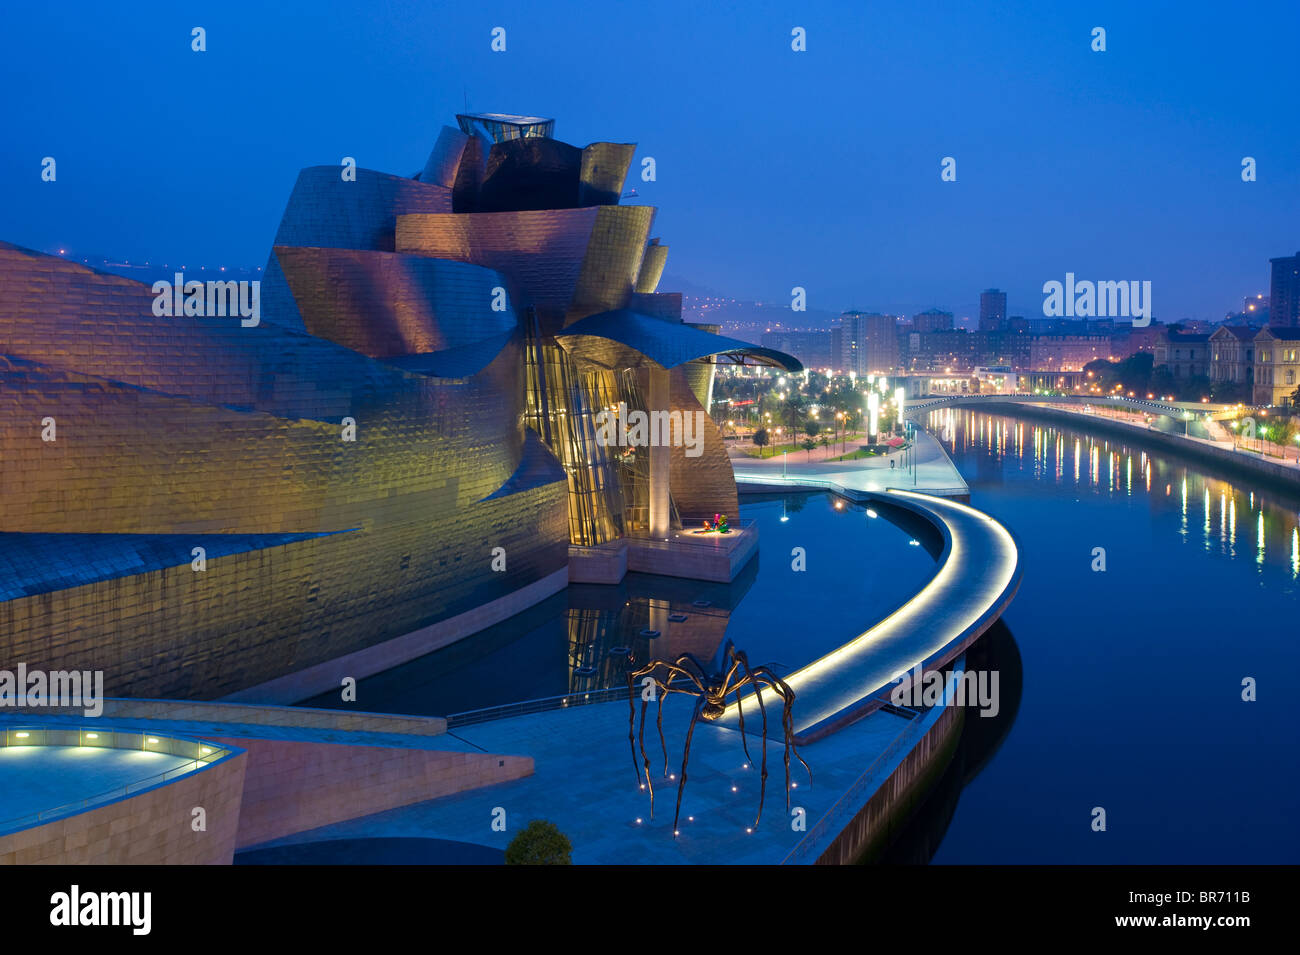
(1122,688)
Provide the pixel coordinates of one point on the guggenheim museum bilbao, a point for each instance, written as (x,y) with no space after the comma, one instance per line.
(401,450)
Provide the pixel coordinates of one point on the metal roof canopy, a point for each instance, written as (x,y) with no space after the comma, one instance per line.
(624,338)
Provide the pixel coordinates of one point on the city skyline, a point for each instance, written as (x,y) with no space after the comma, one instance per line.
(965,313)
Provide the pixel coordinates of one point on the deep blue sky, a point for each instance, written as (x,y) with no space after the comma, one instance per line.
(776,168)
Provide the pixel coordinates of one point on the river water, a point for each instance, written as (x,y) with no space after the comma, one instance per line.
(1123,687)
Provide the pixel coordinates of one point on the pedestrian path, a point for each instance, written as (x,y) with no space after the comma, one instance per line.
(925,468)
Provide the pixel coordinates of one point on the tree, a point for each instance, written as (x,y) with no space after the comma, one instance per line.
(1289,432)
(539,843)
(794,424)
(1163,382)
(808,445)
(1229,392)
(760,439)
(1197,387)
(1133,373)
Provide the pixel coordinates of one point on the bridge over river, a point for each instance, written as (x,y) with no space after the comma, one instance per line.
(1185,417)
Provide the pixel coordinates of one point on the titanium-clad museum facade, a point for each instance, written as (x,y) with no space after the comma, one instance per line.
(400,452)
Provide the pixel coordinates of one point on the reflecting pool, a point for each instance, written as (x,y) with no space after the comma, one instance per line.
(857,569)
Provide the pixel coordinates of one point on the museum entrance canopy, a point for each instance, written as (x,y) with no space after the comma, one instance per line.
(625,339)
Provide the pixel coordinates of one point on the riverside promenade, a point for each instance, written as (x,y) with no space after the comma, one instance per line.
(926,468)
(1220,438)
(586,782)
(1281,464)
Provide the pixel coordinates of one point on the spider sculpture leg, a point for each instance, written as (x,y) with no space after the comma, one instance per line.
(661,688)
(686,755)
(788,718)
(660,722)
(740,714)
(758,693)
(631,723)
(782,689)
(694,661)
(674,669)
(644,756)
(726,688)
(665,688)
(787,729)
(632,677)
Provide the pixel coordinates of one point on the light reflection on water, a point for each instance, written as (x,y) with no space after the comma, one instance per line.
(581,640)
(1108,463)
(1133,678)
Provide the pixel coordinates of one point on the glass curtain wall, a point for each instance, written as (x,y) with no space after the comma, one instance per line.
(560,408)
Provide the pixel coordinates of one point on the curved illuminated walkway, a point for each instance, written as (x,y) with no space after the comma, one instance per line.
(979,574)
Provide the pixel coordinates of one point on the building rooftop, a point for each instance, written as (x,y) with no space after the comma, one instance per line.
(513,119)
(1240,332)
(500,127)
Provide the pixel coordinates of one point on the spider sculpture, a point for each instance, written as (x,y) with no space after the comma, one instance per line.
(688,676)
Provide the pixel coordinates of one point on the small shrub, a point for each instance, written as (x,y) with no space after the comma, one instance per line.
(539,843)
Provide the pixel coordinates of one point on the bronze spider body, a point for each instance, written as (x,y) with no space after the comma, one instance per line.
(688,676)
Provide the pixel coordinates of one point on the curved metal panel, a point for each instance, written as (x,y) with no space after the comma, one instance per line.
(604,170)
(383,304)
(652,267)
(541,251)
(704,485)
(326,210)
(444,161)
(614,253)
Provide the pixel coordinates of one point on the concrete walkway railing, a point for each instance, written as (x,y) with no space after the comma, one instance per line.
(852,494)
(524,707)
(254,714)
